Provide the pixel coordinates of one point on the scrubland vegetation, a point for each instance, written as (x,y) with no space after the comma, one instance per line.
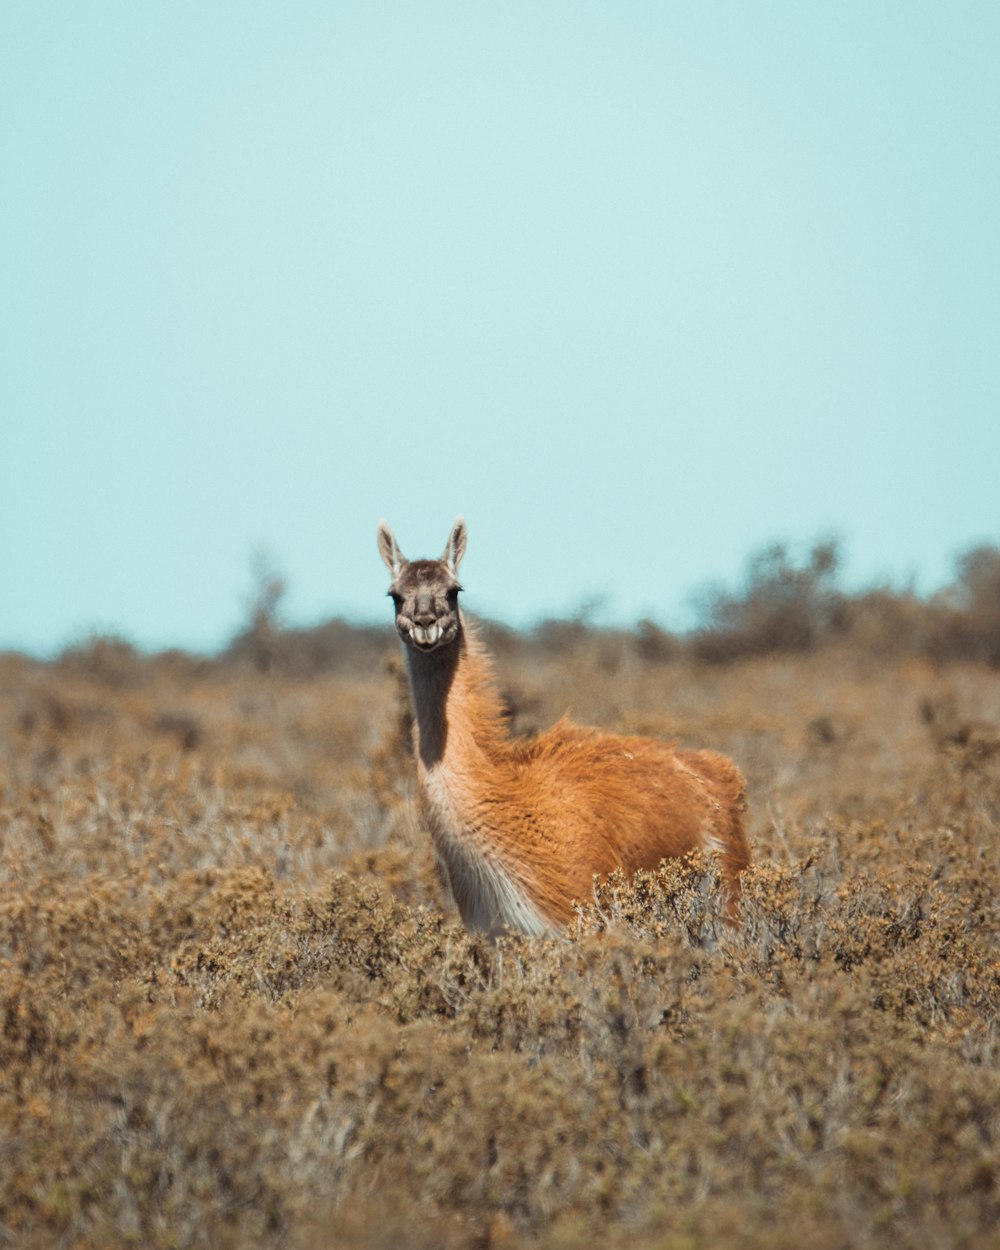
(237,1008)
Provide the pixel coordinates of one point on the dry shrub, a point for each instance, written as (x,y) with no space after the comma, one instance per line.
(967,614)
(788,606)
(236,1008)
(780,607)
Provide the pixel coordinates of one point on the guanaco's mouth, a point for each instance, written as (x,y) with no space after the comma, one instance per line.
(428,637)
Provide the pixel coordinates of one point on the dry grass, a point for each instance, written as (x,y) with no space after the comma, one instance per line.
(236,1007)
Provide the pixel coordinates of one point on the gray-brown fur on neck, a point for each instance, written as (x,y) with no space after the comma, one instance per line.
(431,675)
(430,626)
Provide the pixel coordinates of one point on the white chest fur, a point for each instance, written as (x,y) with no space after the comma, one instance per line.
(487,893)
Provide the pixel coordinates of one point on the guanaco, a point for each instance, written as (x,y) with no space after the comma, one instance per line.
(523,826)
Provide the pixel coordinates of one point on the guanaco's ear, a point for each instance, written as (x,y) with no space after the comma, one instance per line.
(456,545)
(389,550)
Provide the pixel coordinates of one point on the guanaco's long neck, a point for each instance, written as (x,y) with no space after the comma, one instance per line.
(464,762)
(459,718)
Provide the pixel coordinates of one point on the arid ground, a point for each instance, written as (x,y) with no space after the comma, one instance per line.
(237,1008)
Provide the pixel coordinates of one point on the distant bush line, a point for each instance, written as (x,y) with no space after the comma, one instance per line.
(782,606)
(788,607)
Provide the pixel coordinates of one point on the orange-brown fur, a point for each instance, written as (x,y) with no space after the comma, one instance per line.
(547,814)
(575,801)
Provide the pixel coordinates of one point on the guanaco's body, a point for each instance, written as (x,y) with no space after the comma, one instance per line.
(523,826)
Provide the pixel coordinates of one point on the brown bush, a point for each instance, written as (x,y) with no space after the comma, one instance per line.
(780,608)
(236,1008)
(967,614)
(788,607)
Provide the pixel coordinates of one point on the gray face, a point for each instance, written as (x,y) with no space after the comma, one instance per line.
(425,593)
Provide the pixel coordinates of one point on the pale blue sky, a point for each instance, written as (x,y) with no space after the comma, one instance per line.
(638,287)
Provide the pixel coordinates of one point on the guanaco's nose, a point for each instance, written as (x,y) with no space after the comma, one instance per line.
(424,619)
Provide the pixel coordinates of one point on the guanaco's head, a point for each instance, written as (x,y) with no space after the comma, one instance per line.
(425,592)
